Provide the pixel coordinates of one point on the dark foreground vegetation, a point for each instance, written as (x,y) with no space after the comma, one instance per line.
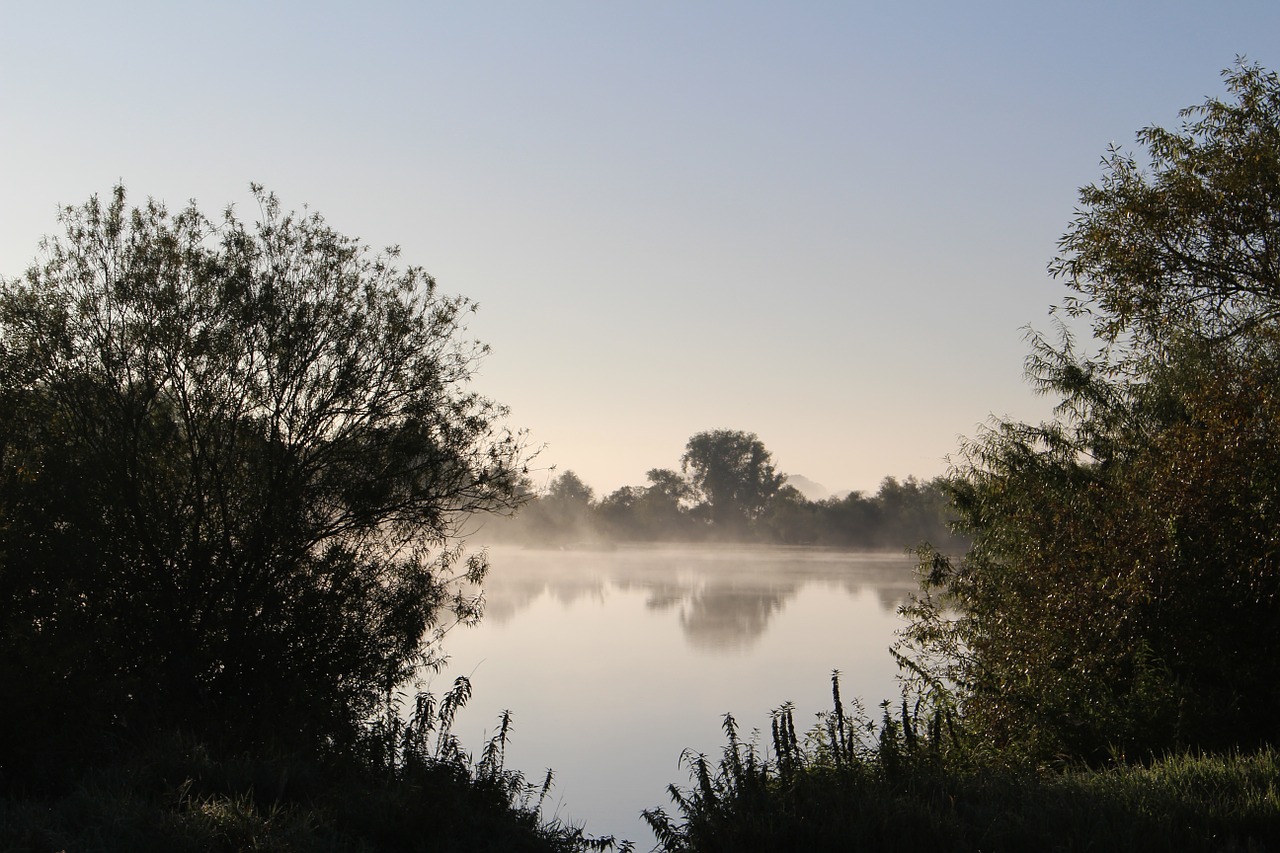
(405,789)
(910,784)
(233,460)
(1099,671)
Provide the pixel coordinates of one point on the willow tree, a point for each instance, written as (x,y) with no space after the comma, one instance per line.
(233,458)
(1124,580)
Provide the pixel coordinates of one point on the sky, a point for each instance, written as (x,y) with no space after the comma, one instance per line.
(826,223)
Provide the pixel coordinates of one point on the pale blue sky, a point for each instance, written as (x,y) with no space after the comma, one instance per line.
(822,222)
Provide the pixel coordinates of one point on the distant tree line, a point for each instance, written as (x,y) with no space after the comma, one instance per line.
(727,488)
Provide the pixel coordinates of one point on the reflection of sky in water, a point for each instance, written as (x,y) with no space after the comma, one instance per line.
(613,662)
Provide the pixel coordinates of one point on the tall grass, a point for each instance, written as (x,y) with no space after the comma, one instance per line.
(907,783)
(410,786)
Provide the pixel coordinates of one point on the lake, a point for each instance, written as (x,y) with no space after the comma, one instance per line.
(613,662)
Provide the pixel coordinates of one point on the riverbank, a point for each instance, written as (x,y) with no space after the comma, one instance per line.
(176,796)
(904,790)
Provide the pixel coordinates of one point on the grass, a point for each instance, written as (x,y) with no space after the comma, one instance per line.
(903,783)
(907,785)
(176,797)
(409,788)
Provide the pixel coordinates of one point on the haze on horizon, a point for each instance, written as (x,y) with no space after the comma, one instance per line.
(826,223)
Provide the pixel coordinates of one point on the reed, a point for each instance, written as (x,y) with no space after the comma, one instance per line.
(907,782)
(409,786)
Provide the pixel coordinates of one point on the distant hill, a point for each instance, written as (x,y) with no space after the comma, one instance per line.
(811,490)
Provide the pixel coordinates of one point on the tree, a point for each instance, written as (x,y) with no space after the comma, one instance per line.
(734,474)
(232,462)
(568,488)
(912,511)
(1125,567)
(652,513)
(663,507)
(618,513)
(668,486)
(791,518)
(1186,243)
(563,514)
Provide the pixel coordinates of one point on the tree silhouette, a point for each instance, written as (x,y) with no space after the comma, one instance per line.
(232,460)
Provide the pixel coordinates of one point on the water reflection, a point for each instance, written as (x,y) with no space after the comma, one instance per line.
(724,618)
(614,662)
(725,598)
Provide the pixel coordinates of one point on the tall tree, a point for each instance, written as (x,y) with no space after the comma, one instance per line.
(1125,567)
(569,488)
(564,513)
(232,460)
(733,473)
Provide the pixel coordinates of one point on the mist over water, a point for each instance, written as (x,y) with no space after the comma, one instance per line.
(614,661)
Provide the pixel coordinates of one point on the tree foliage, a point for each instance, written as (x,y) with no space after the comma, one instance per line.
(560,514)
(1186,242)
(656,512)
(232,460)
(734,474)
(1123,587)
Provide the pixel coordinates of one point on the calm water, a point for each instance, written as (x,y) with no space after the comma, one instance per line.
(613,662)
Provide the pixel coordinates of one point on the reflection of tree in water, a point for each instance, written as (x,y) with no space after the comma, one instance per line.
(717,614)
(662,596)
(726,597)
(891,598)
(890,595)
(725,617)
(503,600)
